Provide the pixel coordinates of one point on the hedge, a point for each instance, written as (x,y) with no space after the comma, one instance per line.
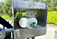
(52,17)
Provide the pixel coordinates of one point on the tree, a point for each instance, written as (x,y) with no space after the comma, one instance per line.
(6,7)
(1,7)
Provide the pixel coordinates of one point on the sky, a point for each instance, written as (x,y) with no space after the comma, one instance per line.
(2,0)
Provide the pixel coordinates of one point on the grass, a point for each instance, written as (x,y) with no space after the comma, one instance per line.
(6,16)
(52,17)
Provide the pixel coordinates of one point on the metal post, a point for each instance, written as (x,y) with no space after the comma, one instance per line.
(33,37)
(8,30)
(55,35)
(3,27)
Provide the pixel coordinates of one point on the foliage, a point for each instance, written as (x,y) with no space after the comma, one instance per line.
(52,17)
(52,9)
(6,7)
(17,11)
(1,7)
(6,16)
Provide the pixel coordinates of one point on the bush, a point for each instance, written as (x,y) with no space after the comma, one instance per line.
(55,8)
(19,13)
(52,9)
(52,17)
